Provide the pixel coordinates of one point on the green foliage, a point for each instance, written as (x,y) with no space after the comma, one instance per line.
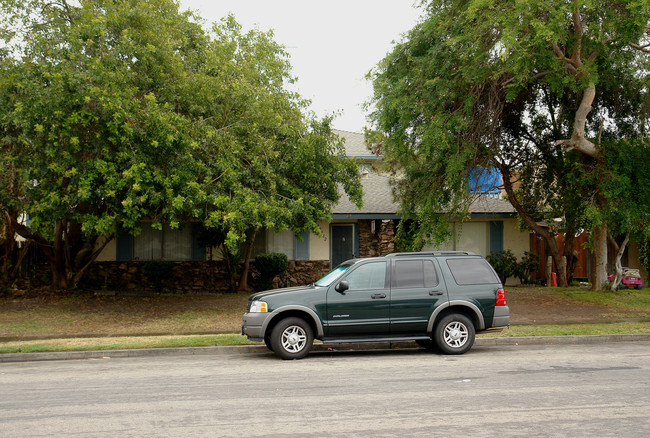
(269,266)
(157,272)
(408,237)
(644,253)
(496,83)
(624,180)
(504,262)
(117,111)
(525,268)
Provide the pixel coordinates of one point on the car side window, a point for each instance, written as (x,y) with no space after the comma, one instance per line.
(368,276)
(414,273)
(472,271)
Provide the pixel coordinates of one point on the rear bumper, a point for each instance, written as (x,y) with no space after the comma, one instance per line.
(501,316)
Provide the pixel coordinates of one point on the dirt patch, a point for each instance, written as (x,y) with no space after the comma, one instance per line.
(541,306)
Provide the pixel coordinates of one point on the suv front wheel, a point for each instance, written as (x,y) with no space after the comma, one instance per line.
(292,338)
(454,334)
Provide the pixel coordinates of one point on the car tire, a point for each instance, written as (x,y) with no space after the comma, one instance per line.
(638,286)
(454,334)
(267,342)
(292,338)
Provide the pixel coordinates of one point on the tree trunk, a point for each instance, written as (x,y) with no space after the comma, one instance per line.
(67,258)
(599,274)
(7,245)
(545,232)
(243,279)
(569,253)
(21,257)
(618,274)
(230,270)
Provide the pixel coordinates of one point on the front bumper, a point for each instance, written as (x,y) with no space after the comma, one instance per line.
(254,324)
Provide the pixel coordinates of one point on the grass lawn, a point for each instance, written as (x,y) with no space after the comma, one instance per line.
(84,321)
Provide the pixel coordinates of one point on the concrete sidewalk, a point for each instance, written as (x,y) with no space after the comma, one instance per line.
(370,346)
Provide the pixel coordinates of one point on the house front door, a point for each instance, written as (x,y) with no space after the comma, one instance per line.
(342,244)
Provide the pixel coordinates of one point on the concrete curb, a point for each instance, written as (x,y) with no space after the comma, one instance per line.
(369,346)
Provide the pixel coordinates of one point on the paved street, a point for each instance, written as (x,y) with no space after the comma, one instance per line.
(532,390)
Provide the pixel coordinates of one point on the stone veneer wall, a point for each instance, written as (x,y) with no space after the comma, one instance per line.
(192,277)
(302,272)
(378,244)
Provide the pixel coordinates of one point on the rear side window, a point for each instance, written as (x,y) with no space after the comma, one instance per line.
(414,273)
(472,271)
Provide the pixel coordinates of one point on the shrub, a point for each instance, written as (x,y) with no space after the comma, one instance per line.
(504,262)
(524,269)
(269,265)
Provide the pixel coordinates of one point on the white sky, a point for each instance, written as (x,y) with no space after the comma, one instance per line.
(332,43)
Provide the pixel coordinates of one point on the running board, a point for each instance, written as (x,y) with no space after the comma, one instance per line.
(388,339)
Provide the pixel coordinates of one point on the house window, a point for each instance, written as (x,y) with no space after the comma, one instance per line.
(178,244)
(165,244)
(302,246)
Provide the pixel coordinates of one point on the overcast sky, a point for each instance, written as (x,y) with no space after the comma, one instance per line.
(332,43)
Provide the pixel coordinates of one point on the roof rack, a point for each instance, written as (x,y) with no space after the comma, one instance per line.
(430,253)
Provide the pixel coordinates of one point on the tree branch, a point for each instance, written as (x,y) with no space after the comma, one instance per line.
(578,140)
(638,47)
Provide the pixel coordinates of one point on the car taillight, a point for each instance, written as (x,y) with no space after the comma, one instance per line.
(501,297)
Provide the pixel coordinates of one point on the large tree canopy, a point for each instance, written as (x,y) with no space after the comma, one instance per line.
(115,111)
(513,85)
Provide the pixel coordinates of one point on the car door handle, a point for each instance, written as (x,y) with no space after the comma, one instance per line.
(436,292)
(375,296)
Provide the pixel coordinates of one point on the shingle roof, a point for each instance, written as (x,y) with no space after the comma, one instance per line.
(483,204)
(378,199)
(355,144)
(378,195)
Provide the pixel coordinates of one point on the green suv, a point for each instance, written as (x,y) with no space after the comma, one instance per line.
(439,299)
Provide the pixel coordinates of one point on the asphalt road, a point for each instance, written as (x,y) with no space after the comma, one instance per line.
(519,390)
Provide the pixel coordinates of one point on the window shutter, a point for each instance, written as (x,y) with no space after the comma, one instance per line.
(496,236)
(198,250)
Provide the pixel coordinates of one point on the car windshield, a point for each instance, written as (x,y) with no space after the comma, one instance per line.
(332,276)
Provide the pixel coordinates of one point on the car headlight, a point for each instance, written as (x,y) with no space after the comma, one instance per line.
(259,306)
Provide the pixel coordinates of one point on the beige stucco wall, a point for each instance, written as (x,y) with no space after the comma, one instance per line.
(475,236)
(448,245)
(516,241)
(319,247)
(108,253)
(468,236)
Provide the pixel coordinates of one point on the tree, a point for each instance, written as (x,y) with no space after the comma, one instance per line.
(625,186)
(112,112)
(511,85)
(279,170)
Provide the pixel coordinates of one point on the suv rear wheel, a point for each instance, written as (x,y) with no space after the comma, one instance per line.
(292,338)
(454,334)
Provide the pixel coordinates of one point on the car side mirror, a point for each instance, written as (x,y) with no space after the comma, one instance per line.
(342,286)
